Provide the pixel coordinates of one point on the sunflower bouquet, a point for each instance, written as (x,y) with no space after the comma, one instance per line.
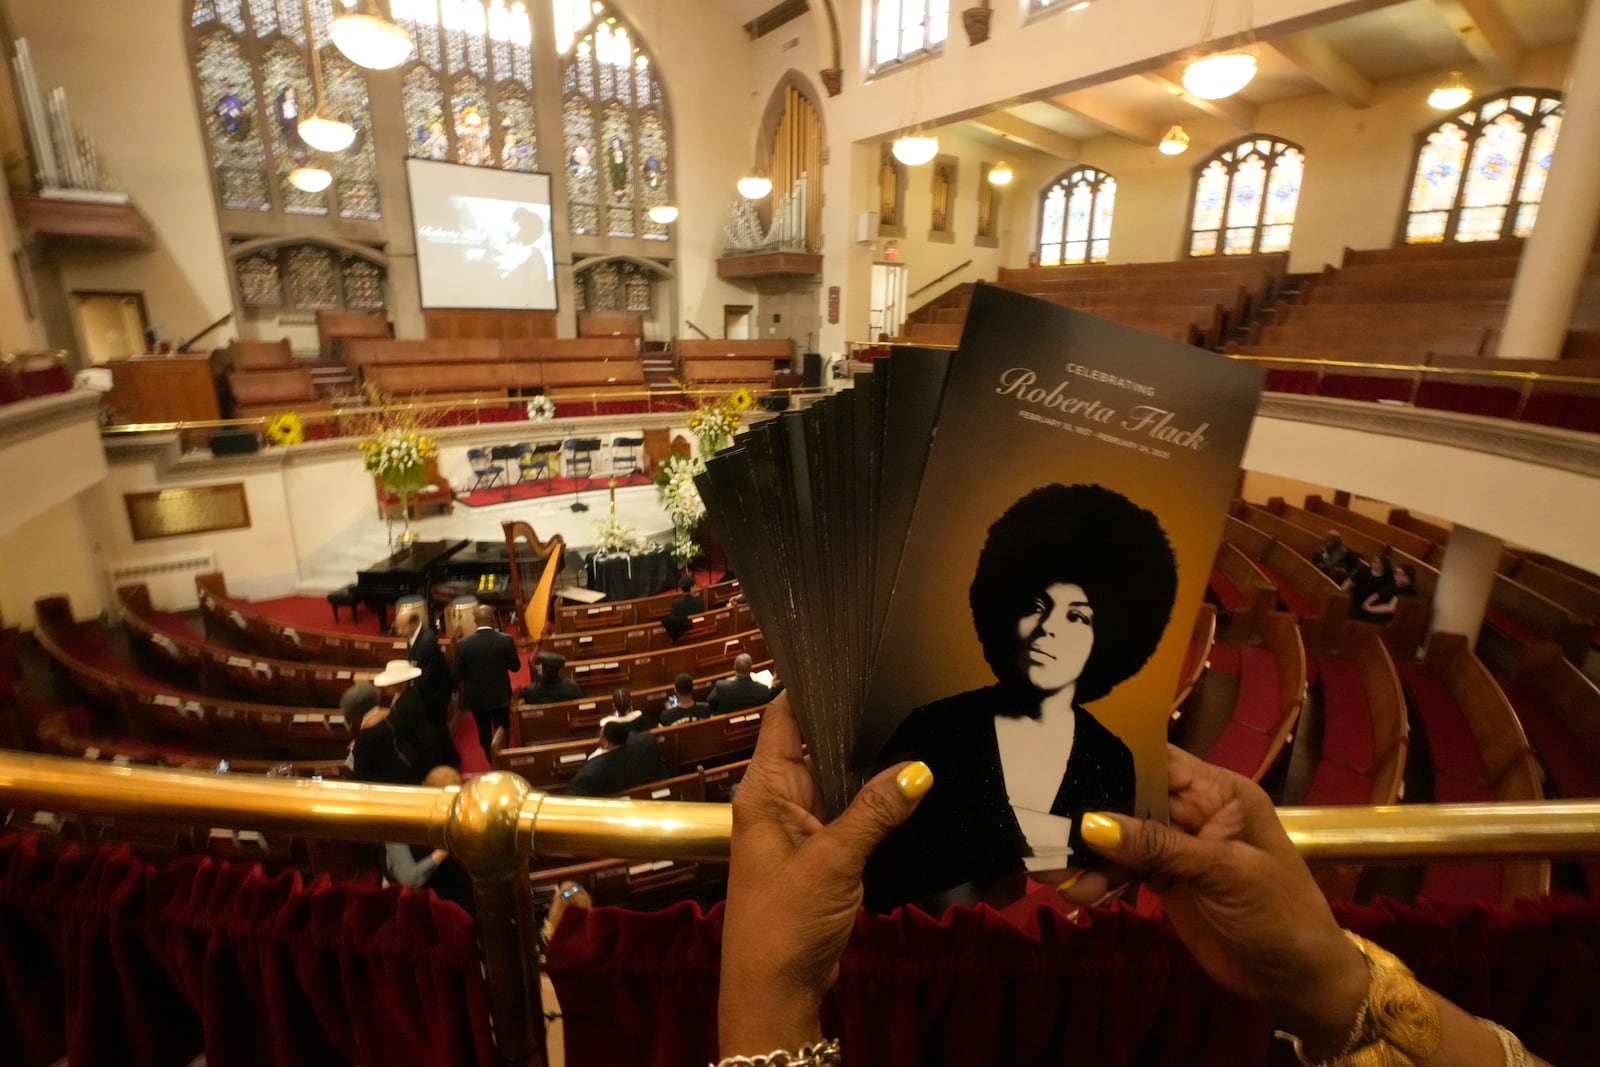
(399,459)
(285,428)
(715,420)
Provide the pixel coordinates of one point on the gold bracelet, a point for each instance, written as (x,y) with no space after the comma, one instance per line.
(1397,1025)
(822,1054)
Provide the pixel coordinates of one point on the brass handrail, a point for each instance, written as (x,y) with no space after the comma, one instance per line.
(496,821)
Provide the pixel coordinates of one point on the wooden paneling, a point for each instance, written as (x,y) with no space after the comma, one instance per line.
(163,389)
(449,324)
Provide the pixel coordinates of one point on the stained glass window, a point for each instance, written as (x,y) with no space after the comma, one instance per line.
(483,51)
(255,87)
(614,285)
(1075,217)
(902,29)
(1481,172)
(614,126)
(1245,196)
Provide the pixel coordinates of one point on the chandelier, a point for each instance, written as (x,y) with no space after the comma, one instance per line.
(1175,142)
(1454,93)
(1000,174)
(662,214)
(915,150)
(310,179)
(754,187)
(317,130)
(1215,77)
(369,40)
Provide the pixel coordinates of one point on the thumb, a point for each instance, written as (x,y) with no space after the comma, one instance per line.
(883,804)
(1151,850)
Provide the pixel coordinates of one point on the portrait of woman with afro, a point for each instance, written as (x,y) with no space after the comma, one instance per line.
(1072,592)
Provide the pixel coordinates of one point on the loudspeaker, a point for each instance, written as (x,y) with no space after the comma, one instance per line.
(234,442)
(812,370)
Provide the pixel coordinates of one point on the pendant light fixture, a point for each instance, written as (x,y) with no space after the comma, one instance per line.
(1217,76)
(1175,142)
(1000,174)
(1454,93)
(319,131)
(755,186)
(310,179)
(663,214)
(368,39)
(916,149)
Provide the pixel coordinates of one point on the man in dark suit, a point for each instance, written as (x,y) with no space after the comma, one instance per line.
(434,686)
(485,661)
(550,687)
(627,758)
(686,605)
(739,692)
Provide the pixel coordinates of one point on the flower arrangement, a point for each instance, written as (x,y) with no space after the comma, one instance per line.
(285,428)
(680,497)
(399,459)
(541,409)
(612,535)
(715,420)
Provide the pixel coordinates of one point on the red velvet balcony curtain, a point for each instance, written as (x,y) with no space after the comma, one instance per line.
(1115,987)
(105,959)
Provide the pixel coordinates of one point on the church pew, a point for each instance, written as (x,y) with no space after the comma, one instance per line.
(1330,317)
(1401,274)
(566,720)
(1479,753)
(689,787)
(730,619)
(777,350)
(241,622)
(569,349)
(720,782)
(55,737)
(639,670)
(363,353)
(598,324)
(335,329)
(149,704)
(267,392)
(280,680)
(1577,596)
(1377,337)
(1412,544)
(1245,593)
(1564,405)
(1437,252)
(239,355)
(1240,534)
(931,333)
(640,885)
(1308,594)
(1275,264)
(455,378)
(1189,324)
(609,614)
(1336,351)
(1272,689)
(682,745)
(1517,616)
(754,371)
(1201,640)
(592,375)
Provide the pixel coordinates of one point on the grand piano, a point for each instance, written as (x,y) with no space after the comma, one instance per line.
(444,570)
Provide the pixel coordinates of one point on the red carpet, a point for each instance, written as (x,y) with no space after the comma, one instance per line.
(534,488)
(314,613)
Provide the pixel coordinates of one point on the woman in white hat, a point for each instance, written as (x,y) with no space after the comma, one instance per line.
(389,742)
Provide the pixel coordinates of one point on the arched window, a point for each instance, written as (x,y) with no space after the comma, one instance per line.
(1245,196)
(468,91)
(251,60)
(307,277)
(614,119)
(1075,214)
(902,29)
(1473,166)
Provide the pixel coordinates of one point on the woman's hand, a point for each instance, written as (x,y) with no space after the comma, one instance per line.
(794,887)
(1240,897)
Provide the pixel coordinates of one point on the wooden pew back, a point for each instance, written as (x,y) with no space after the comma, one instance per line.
(242,622)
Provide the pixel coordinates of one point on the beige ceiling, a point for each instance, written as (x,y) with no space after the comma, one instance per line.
(1345,57)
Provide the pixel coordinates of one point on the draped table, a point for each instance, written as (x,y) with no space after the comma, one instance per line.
(627,576)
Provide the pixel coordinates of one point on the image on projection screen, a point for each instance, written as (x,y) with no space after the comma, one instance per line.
(483,237)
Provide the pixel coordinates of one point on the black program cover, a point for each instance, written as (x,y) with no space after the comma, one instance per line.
(1058,551)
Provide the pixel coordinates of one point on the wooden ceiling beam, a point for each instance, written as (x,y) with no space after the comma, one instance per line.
(1121,121)
(1029,135)
(1317,59)
(1487,33)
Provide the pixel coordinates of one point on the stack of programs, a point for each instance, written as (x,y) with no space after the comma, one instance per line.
(990,560)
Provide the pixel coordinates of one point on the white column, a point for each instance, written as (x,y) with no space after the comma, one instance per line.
(1466,578)
(1557,252)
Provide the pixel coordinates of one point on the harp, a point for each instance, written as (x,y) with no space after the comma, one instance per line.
(533,578)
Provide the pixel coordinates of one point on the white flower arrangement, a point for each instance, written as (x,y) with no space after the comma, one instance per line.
(612,535)
(541,409)
(680,498)
(397,457)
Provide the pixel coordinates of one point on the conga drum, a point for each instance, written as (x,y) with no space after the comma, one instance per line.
(458,617)
(408,607)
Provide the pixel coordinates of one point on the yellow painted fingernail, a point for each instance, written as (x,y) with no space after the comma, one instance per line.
(1101,831)
(915,780)
(1072,880)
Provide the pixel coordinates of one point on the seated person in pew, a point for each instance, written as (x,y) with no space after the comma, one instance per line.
(1381,605)
(627,758)
(416,866)
(685,606)
(1366,579)
(550,687)
(1335,560)
(623,711)
(739,692)
(681,706)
